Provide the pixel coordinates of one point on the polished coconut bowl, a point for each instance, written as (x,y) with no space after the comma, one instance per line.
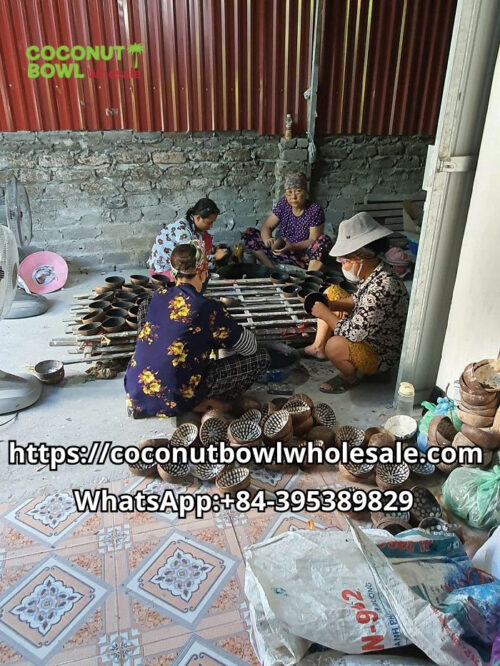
(185,435)
(206,471)
(243,432)
(213,431)
(350,434)
(324,415)
(425,505)
(232,480)
(391,475)
(278,426)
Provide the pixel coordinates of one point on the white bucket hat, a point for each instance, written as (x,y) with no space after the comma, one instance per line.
(357,232)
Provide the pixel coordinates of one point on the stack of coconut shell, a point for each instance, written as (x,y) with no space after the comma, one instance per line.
(442,433)
(478,409)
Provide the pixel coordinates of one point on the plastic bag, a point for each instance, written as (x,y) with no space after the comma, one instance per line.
(474,495)
(364,591)
(444,407)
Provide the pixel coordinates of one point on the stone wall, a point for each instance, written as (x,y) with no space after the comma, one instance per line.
(348,168)
(99,198)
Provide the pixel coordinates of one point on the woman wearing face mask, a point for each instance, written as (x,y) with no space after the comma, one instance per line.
(299,223)
(171,371)
(195,225)
(361,334)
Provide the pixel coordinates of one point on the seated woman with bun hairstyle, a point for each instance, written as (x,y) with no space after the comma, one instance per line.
(172,371)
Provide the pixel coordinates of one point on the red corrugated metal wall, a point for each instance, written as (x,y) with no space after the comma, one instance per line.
(383,65)
(229,65)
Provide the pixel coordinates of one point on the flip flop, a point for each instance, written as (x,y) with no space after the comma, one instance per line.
(337,385)
(312,357)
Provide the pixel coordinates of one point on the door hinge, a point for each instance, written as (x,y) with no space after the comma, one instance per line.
(457,163)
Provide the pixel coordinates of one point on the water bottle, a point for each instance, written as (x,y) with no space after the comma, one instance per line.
(406,397)
(288,126)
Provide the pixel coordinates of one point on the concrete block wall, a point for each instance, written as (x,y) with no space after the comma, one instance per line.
(348,168)
(100,198)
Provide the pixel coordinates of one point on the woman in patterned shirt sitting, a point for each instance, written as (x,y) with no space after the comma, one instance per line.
(195,225)
(171,371)
(299,222)
(363,333)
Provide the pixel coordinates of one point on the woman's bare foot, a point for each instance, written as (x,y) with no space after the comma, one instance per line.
(316,352)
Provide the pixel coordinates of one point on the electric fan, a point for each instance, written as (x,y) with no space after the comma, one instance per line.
(16,392)
(17,213)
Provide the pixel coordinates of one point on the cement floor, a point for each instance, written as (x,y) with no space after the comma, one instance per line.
(78,411)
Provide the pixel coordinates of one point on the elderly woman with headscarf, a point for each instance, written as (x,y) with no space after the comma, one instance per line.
(299,223)
(361,334)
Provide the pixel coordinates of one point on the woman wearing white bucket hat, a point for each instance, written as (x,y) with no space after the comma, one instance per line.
(361,334)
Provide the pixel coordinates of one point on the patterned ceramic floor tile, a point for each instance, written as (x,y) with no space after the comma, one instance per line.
(140,522)
(272,480)
(181,578)
(47,522)
(200,652)
(48,608)
(226,644)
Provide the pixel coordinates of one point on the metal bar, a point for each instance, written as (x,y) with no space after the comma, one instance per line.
(313,99)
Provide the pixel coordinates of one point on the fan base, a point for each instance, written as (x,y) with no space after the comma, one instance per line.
(27,305)
(18,391)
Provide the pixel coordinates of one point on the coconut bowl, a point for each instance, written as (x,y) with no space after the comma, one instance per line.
(206,471)
(117,312)
(298,410)
(89,329)
(114,281)
(244,433)
(356,471)
(100,305)
(324,415)
(233,479)
(143,468)
(113,324)
(391,475)
(402,428)
(474,420)
(487,439)
(252,415)
(185,435)
(422,470)
(139,280)
(93,315)
(213,430)
(394,525)
(383,438)
(425,505)
(278,426)
(49,372)
(350,434)
(173,472)
(161,280)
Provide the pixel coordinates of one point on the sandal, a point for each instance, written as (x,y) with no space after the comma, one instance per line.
(337,385)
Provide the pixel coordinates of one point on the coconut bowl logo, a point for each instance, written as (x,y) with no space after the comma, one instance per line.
(79,62)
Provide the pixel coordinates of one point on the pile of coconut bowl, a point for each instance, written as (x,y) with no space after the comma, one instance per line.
(114,306)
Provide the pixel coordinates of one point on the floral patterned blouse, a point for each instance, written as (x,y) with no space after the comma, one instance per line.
(379,315)
(296,229)
(176,233)
(167,373)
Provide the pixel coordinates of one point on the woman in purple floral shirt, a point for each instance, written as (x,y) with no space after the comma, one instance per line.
(299,223)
